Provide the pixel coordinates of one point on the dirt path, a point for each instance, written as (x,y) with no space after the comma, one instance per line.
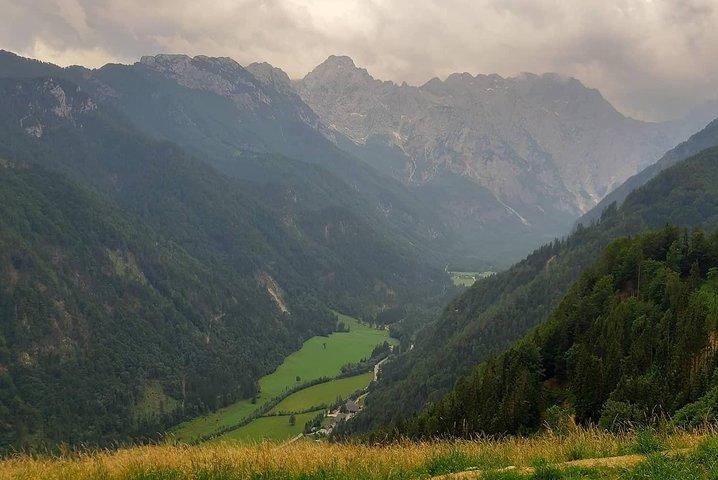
(606,462)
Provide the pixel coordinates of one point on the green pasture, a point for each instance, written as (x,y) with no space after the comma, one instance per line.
(315,360)
(319,357)
(154,401)
(322,394)
(275,429)
(467,279)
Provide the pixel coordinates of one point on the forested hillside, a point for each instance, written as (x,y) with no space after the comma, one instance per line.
(634,339)
(232,224)
(139,286)
(499,310)
(99,313)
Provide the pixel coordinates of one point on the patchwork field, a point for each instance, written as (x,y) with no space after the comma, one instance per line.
(319,357)
(154,400)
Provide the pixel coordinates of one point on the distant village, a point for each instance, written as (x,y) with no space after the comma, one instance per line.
(344,412)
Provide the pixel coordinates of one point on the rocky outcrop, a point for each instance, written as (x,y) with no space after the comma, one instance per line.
(54,100)
(264,90)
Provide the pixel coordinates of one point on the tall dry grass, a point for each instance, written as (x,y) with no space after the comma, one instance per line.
(308,459)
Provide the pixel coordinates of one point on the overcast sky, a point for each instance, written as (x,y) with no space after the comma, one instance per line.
(653,59)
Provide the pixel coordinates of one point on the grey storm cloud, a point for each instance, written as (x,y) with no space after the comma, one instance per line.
(653,59)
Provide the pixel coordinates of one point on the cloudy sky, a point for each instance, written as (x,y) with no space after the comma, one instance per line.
(653,59)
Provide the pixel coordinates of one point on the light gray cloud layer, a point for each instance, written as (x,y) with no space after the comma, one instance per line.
(652,58)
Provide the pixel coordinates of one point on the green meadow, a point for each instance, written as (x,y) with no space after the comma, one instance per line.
(315,360)
(319,357)
(274,429)
(467,279)
(322,394)
(154,399)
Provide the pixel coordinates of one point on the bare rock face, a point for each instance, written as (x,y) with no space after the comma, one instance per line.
(537,142)
(53,100)
(264,92)
(270,75)
(222,76)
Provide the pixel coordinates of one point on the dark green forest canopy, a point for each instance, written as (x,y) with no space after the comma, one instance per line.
(499,310)
(634,338)
(95,305)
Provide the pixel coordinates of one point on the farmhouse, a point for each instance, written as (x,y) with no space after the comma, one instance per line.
(337,418)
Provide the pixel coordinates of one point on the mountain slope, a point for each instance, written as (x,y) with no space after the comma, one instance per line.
(499,310)
(193,203)
(98,311)
(217,279)
(633,338)
(706,138)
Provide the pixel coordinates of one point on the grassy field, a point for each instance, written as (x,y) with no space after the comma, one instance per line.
(322,394)
(467,279)
(314,360)
(273,429)
(154,401)
(210,423)
(583,454)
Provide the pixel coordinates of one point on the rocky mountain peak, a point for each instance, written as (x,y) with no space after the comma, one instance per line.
(339,61)
(270,75)
(258,87)
(164,60)
(340,72)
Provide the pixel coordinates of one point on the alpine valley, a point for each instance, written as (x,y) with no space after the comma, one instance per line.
(193,251)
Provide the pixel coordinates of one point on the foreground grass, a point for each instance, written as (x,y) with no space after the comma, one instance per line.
(319,357)
(540,458)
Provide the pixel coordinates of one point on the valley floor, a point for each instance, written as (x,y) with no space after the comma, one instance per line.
(584,454)
(307,383)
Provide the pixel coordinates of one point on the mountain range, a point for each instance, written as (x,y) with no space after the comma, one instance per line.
(457,166)
(175,228)
(544,148)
